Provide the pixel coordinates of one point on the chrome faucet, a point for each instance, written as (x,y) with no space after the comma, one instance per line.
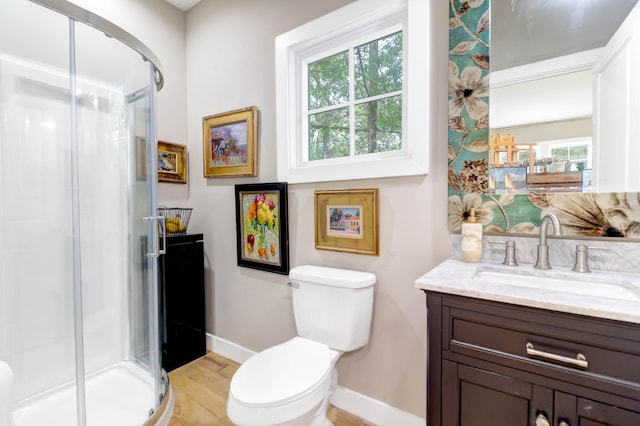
(543,248)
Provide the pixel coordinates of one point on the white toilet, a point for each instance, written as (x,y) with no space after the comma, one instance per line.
(291,383)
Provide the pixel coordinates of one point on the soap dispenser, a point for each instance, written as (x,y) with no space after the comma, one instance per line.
(471,239)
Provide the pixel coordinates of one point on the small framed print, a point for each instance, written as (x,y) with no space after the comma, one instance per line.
(261,226)
(347,220)
(230,142)
(172,162)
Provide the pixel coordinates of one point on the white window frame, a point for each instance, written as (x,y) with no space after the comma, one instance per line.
(363,21)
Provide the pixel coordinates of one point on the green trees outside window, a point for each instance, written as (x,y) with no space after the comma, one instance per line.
(355,100)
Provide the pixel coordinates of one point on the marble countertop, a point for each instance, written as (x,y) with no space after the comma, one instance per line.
(601,294)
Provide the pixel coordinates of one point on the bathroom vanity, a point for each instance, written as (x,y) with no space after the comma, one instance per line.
(501,352)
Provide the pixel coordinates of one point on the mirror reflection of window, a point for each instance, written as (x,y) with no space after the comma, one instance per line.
(574,153)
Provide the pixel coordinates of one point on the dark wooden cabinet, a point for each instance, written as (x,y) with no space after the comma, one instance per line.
(473,396)
(182,311)
(492,363)
(574,410)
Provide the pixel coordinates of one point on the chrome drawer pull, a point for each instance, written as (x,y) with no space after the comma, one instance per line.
(579,361)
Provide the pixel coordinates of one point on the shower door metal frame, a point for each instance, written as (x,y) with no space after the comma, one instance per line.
(79,14)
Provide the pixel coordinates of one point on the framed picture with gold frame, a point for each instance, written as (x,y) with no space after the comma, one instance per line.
(230,142)
(172,162)
(347,220)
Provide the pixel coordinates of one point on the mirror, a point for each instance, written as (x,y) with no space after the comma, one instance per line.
(562,115)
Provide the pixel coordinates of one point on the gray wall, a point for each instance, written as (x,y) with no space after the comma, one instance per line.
(230,65)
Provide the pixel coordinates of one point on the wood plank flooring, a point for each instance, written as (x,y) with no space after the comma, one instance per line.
(201,387)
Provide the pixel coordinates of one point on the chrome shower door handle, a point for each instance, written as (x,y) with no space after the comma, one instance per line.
(159,249)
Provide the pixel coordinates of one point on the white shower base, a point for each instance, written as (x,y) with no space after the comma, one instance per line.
(119,395)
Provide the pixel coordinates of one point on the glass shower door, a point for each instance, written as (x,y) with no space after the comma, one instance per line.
(36,299)
(116,143)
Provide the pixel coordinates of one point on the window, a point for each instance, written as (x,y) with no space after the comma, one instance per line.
(575,152)
(355,100)
(343,108)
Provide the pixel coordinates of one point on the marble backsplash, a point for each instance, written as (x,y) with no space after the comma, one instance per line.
(621,255)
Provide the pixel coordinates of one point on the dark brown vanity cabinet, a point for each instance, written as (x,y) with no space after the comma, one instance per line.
(494,364)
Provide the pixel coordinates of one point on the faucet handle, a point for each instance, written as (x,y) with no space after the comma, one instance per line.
(509,252)
(582,257)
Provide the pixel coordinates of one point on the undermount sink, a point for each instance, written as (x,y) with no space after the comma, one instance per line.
(585,284)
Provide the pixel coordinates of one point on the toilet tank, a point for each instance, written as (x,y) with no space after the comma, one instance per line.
(333,306)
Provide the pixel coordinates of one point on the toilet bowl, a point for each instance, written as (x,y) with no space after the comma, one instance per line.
(292,383)
(6,380)
(287,384)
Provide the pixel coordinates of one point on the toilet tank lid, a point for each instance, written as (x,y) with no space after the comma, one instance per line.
(332,276)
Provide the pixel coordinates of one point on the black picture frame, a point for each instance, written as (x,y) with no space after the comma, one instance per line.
(262,228)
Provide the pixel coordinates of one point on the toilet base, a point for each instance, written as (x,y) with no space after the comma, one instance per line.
(321,415)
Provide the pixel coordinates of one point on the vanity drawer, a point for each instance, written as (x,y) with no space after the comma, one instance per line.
(540,341)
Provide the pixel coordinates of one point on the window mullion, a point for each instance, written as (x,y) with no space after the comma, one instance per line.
(352,95)
(385,95)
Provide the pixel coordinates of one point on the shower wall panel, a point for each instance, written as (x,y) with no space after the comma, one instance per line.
(36,322)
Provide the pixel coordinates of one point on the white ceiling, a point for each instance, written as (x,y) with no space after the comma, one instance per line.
(525,31)
(183,4)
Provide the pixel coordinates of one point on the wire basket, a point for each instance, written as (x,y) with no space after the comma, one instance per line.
(176,219)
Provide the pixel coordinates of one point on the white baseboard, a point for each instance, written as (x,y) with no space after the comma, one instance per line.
(369,409)
(228,349)
(373,410)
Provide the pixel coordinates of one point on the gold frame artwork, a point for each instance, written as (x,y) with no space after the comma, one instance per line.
(347,221)
(230,142)
(172,162)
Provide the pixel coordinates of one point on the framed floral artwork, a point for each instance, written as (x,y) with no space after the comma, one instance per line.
(230,142)
(261,226)
(172,162)
(347,220)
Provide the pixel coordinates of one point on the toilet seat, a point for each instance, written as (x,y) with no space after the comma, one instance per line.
(281,383)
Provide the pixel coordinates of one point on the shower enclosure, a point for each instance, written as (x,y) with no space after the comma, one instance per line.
(78,232)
